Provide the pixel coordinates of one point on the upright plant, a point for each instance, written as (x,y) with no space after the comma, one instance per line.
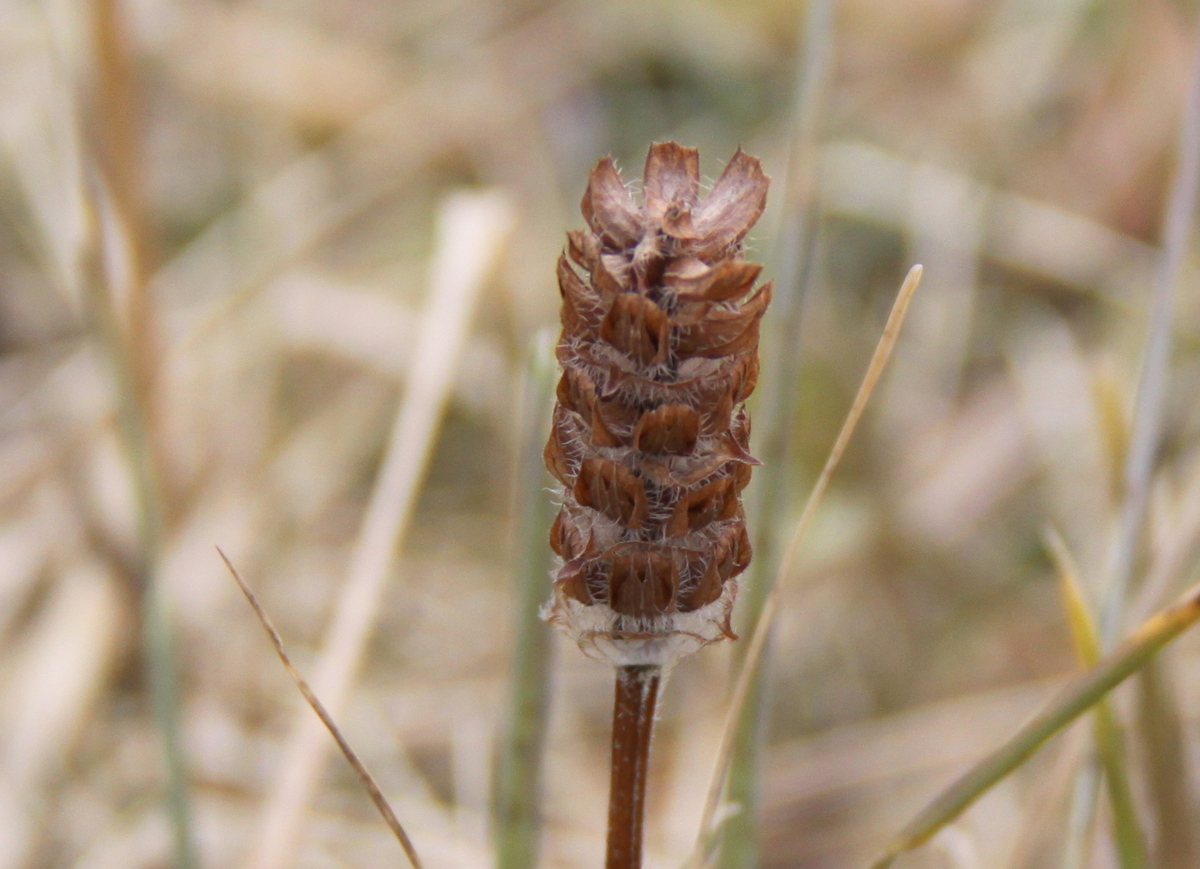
(650,436)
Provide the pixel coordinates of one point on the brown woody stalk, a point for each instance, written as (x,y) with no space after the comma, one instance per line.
(650,440)
(633,722)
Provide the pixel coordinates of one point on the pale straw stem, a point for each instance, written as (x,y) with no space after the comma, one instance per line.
(472,228)
(758,639)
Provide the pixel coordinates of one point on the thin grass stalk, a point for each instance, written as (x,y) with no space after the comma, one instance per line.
(117,125)
(126,324)
(1151,392)
(776,411)
(1110,745)
(364,776)
(634,701)
(706,838)
(517,811)
(471,233)
(157,631)
(118,192)
(161,652)
(1078,696)
(1152,386)
(116,129)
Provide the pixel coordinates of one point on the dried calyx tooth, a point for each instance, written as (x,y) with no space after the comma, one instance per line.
(650,439)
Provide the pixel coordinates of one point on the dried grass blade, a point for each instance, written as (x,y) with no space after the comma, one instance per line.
(1079,695)
(754,651)
(472,229)
(368,781)
(1131,847)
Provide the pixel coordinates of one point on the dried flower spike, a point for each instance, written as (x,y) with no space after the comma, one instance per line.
(659,351)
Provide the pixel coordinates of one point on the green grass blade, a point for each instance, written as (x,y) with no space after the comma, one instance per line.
(1131,847)
(158,641)
(1079,695)
(517,819)
(1110,738)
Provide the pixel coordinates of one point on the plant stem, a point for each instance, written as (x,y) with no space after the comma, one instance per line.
(1152,387)
(517,804)
(775,412)
(1146,428)
(472,229)
(159,652)
(633,722)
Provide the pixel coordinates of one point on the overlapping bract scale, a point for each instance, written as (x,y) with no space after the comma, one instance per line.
(650,438)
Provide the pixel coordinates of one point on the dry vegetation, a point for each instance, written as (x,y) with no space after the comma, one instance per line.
(226,228)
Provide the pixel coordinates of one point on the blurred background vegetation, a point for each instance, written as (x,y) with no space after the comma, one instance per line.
(219,226)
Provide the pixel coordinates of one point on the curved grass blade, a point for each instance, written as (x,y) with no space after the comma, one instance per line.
(758,640)
(470,238)
(1079,695)
(368,781)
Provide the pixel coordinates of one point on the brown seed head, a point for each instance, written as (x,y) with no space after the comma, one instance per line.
(650,440)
